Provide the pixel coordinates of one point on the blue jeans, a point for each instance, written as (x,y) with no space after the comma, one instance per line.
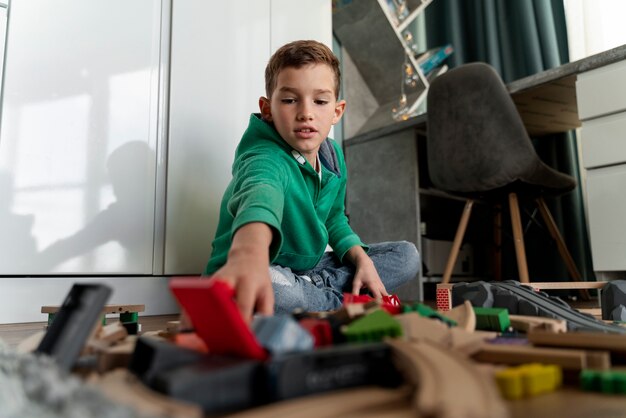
(322,287)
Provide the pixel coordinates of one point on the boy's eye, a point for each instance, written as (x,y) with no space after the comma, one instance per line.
(321,102)
(288,101)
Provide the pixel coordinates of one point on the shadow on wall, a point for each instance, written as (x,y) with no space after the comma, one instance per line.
(131,169)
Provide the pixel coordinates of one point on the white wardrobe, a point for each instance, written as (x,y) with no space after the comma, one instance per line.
(119,125)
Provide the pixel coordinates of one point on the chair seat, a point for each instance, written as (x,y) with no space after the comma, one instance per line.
(540,182)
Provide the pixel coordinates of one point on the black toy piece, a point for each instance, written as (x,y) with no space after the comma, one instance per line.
(325,369)
(218,384)
(152,357)
(73,323)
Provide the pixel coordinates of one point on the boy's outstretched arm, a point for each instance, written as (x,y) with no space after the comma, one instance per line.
(366,274)
(247,269)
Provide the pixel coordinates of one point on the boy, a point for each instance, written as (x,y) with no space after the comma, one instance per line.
(285,203)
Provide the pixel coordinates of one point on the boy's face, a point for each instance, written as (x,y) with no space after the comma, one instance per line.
(303,107)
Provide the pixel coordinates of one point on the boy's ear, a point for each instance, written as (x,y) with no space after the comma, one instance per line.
(265,108)
(340,107)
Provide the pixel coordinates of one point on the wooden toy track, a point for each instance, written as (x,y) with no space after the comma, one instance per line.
(448,385)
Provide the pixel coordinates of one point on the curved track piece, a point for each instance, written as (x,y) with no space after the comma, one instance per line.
(449,386)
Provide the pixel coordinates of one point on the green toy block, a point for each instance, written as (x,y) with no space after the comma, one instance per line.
(492,319)
(619,383)
(129,317)
(611,382)
(589,380)
(373,328)
(606,382)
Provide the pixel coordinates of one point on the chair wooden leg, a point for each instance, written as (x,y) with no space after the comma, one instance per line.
(560,243)
(458,240)
(497,242)
(518,235)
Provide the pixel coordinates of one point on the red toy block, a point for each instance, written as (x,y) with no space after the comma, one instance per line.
(320,329)
(390,303)
(215,317)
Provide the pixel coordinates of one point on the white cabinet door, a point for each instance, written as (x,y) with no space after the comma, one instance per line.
(606,194)
(78,137)
(219,52)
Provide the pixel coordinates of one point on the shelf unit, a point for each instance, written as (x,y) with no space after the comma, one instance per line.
(375,41)
(400,28)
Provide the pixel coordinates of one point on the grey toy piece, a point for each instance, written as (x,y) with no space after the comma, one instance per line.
(478,293)
(613,294)
(619,314)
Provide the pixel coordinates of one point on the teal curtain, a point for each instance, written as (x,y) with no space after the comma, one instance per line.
(520,38)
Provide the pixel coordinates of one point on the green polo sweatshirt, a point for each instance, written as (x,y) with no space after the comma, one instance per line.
(270,185)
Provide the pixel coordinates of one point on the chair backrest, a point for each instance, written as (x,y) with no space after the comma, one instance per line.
(476,139)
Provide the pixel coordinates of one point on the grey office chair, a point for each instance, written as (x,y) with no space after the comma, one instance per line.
(478,147)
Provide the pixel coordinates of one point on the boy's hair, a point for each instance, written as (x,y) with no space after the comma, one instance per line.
(297,54)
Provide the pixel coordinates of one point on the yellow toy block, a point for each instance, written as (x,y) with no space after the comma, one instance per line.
(509,382)
(528,380)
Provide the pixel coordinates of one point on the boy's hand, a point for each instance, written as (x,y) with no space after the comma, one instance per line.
(366,274)
(247,270)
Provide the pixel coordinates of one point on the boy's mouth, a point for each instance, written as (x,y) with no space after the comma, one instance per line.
(305,132)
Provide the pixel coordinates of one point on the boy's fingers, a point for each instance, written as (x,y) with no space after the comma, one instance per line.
(245,302)
(265,302)
(356,287)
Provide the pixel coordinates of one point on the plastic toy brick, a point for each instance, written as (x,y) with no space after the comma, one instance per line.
(510,383)
(529,380)
(428,312)
(610,382)
(373,328)
(216,318)
(390,303)
(492,319)
(320,329)
(590,380)
(281,334)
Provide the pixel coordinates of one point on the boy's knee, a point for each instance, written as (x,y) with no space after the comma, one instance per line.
(411,257)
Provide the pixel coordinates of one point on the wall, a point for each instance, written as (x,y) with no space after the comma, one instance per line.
(187,108)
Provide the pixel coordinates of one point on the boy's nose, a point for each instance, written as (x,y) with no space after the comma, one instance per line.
(304,113)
